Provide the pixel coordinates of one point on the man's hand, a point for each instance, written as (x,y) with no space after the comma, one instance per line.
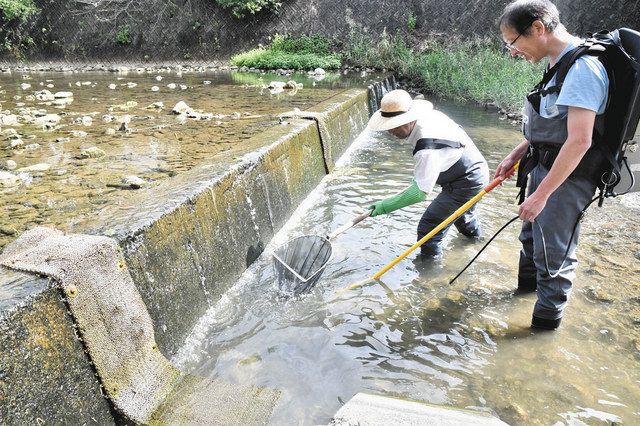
(532,206)
(504,169)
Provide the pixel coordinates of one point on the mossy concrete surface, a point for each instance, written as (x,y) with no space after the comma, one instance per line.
(185,242)
(190,239)
(340,119)
(45,375)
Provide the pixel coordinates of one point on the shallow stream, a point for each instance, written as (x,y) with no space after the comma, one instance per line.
(62,160)
(414,335)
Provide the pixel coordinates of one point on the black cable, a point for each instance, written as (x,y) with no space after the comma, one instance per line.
(566,253)
(484,247)
(633,180)
(544,247)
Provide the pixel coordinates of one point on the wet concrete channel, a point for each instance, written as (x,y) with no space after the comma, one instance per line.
(412,336)
(183,241)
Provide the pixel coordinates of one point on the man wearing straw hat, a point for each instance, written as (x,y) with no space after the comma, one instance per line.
(443,154)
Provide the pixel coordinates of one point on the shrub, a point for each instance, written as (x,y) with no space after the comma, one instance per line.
(240,8)
(411,23)
(285,51)
(17,9)
(314,44)
(122,35)
(14,25)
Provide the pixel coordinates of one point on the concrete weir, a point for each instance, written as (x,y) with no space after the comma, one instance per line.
(76,344)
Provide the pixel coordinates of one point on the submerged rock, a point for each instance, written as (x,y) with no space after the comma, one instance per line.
(9,165)
(40,167)
(8,179)
(93,152)
(44,95)
(16,143)
(133,182)
(124,107)
(181,108)
(155,105)
(48,121)
(8,120)
(62,95)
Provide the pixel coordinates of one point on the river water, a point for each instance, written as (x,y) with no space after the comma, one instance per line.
(415,336)
(64,169)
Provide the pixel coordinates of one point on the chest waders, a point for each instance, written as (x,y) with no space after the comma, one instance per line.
(460,183)
(612,163)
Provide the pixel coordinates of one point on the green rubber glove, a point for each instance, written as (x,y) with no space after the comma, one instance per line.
(409,196)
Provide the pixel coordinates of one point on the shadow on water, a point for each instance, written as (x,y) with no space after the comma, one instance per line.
(412,334)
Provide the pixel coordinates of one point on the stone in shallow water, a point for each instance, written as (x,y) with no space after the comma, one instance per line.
(8,179)
(60,95)
(133,182)
(93,152)
(40,167)
(9,165)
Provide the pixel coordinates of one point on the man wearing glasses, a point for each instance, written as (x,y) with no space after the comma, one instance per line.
(558,125)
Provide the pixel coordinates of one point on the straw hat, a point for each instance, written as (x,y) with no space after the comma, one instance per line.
(397,108)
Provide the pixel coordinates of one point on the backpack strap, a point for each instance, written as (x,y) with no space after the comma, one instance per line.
(561,68)
(430,143)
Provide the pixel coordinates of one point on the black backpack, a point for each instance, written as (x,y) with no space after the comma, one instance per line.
(619,51)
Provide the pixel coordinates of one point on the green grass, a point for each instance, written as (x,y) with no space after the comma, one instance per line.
(477,70)
(472,72)
(301,53)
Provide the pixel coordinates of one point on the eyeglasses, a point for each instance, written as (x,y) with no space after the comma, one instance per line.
(512,45)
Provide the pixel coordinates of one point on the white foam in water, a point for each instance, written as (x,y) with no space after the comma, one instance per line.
(187,353)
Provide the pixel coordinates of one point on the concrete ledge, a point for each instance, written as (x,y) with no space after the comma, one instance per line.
(373,410)
(190,239)
(44,371)
(185,242)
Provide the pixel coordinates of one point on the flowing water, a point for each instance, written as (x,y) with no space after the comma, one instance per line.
(62,160)
(415,336)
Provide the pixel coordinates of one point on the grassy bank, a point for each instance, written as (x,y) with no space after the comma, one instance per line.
(477,71)
(474,73)
(301,53)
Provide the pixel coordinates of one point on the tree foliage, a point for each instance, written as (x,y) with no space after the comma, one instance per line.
(16,10)
(240,8)
(14,25)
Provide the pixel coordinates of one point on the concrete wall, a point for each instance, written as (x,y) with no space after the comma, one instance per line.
(85,30)
(185,244)
(44,371)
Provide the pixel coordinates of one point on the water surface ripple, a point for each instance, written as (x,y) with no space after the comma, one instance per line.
(415,336)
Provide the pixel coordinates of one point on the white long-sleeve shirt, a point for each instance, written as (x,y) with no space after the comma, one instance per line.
(429,163)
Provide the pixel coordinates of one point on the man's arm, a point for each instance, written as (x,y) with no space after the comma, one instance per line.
(580,124)
(511,159)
